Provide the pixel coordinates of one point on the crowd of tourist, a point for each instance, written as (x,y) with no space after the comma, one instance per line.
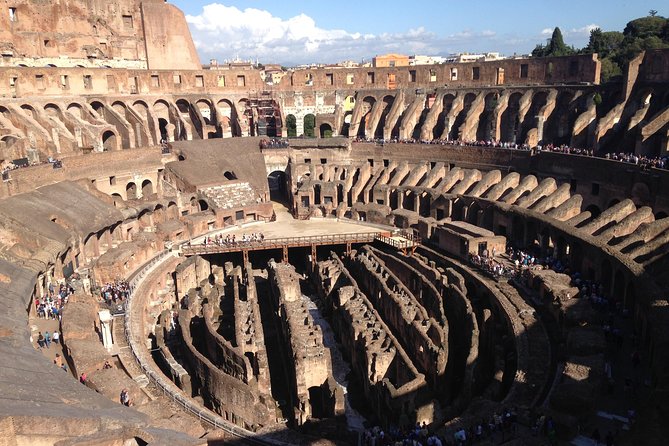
(274,143)
(645,162)
(232,240)
(115,292)
(487,262)
(50,306)
(640,160)
(501,427)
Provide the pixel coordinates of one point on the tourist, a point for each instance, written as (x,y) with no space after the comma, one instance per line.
(47,339)
(56,337)
(125,398)
(83,378)
(40,340)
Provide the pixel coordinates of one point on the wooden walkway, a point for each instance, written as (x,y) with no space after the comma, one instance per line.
(405,242)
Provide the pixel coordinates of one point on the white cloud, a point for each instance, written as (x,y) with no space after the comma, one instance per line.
(223,32)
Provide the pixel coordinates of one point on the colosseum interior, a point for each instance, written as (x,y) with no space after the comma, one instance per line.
(352,295)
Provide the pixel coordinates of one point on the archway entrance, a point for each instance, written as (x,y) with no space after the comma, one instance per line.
(278,188)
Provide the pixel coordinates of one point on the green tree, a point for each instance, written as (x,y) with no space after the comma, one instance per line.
(603,43)
(291,124)
(309,125)
(554,47)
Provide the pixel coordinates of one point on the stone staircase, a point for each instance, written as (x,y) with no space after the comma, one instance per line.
(124,354)
(233,195)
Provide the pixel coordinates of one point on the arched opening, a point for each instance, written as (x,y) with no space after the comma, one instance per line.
(510,123)
(326,130)
(147,188)
(229,175)
(278,189)
(309,125)
(460,119)
(131,191)
(117,198)
(348,117)
(387,105)
(203,205)
(447,105)
(109,141)
(291,126)
(594,211)
(365,130)
(486,130)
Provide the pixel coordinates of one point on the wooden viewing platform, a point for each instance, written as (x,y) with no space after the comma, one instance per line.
(405,242)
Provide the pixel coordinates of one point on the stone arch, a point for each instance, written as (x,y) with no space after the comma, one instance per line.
(557,129)
(99,108)
(531,121)
(387,105)
(74,108)
(227,118)
(161,109)
(53,110)
(368,103)
(109,141)
(325,130)
(277,185)
(147,188)
(460,119)
(447,105)
(120,107)
(348,117)
(29,110)
(202,205)
(207,111)
(309,125)
(486,128)
(131,191)
(172,210)
(510,123)
(291,125)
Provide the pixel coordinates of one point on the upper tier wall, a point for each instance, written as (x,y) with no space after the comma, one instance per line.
(40,81)
(96,33)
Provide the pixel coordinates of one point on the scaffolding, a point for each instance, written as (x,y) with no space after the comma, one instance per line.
(266,114)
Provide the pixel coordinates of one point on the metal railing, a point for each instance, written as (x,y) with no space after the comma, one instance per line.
(279,243)
(170,389)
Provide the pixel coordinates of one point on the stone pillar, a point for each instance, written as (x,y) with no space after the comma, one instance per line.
(105,328)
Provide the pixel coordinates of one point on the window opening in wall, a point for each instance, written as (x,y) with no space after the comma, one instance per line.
(127,21)
(524,69)
(329,78)
(177,79)
(221,81)
(12,81)
(12,15)
(88,81)
(349,79)
(324,161)
(309,80)
(241,81)
(573,67)
(64,82)
(112,181)
(370,77)
(476,73)
(307,161)
(454,74)
(111,82)
(412,75)
(433,75)
(199,81)
(39,80)
(386,163)
(47,43)
(371,162)
(155,80)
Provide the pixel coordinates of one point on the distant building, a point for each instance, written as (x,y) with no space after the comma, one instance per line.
(390,60)
(467,57)
(426,60)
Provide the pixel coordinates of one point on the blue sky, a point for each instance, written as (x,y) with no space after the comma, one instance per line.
(312,31)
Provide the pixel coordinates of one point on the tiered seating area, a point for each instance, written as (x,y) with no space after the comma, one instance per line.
(235,194)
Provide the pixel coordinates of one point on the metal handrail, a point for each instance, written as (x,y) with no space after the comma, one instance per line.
(135,282)
(334,239)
